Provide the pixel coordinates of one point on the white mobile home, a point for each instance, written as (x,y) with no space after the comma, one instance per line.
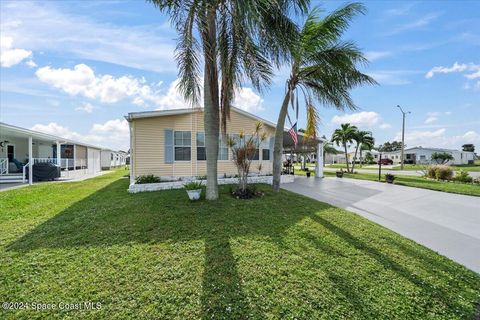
(113,159)
(420,155)
(21,149)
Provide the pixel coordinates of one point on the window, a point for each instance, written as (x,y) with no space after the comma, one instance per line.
(222,149)
(265,149)
(183,142)
(201,150)
(201,154)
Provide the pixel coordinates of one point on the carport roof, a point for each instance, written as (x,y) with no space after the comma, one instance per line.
(8,129)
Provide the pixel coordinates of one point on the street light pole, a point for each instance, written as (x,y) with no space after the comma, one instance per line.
(404,113)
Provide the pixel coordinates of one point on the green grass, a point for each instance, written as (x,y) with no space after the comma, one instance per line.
(159,256)
(419,167)
(419,182)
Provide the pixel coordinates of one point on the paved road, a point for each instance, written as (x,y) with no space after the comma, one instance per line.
(474,174)
(444,222)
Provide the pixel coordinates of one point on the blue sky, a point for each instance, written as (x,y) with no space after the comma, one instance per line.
(76,68)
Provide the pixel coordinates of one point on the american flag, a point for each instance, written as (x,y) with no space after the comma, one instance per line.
(293,133)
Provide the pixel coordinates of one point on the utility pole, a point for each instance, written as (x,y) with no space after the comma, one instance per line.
(404,113)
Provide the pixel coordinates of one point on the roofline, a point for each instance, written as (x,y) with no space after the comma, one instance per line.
(436,149)
(171,112)
(46,136)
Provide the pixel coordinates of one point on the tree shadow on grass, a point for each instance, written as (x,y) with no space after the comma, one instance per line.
(111,217)
(435,292)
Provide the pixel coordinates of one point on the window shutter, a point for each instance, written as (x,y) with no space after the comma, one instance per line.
(168,146)
(271,146)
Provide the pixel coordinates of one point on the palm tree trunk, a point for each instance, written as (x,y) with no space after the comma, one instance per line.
(355,157)
(277,149)
(211,118)
(346,157)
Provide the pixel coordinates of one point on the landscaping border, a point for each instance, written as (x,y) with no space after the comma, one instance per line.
(145,187)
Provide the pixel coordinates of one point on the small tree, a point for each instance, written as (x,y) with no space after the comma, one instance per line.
(243,150)
(369,157)
(441,157)
(468,147)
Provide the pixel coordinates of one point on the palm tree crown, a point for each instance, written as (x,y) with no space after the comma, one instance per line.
(343,136)
(323,69)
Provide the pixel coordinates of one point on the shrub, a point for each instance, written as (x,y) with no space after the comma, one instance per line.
(439,172)
(463,176)
(147,179)
(192,185)
(444,173)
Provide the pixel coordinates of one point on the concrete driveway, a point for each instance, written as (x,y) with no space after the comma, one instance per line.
(474,174)
(444,222)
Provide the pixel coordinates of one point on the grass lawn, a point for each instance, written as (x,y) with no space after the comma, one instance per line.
(419,182)
(418,167)
(156,255)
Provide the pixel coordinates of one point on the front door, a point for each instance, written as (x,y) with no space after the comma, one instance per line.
(10,152)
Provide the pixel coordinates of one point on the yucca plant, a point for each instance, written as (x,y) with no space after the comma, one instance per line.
(243,151)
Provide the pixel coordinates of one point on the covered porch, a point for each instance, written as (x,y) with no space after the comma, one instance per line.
(22,149)
(305,148)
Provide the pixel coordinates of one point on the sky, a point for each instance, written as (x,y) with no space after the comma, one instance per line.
(75,69)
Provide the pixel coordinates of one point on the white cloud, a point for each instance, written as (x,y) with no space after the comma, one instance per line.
(31,64)
(113,134)
(248,100)
(430,120)
(385,126)
(416,24)
(392,77)
(470,71)
(43,26)
(366,119)
(10,56)
(456,67)
(375,55)
(81,80)
(86,107)
(245,98)
(438,138)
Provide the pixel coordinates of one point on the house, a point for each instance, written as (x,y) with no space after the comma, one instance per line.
(21,148)
(112,159)
(171,143)
(420,155)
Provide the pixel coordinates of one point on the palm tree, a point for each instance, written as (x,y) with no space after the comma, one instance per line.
(367,145)
(328,148)
(344,136)
(323,69)
(238,40)
(362,138)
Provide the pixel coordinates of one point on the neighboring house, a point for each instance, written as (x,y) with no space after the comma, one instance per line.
(21,148)
(171,143)
(420,155)
(113,159)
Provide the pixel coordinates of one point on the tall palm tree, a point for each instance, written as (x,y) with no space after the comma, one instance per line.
(362,138)
(367,145)
(238,40)
(343,137)
(323,69)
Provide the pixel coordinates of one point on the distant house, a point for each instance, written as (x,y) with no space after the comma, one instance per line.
(112,159)
(421,155)
(21,149)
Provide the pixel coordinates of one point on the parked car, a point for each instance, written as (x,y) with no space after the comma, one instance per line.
(385,161)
